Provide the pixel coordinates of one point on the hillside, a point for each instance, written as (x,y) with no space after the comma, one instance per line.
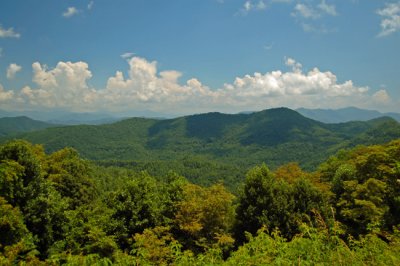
(12,125)
(274,136)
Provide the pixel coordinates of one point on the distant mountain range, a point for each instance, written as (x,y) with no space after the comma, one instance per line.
(274,136)
(62,117)
(344,114)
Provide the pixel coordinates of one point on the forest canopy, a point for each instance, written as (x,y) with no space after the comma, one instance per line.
(59,208)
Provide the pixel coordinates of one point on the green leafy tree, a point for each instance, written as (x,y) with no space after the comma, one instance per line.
(44,214)
(275,204)
(155,246)
(70,175)
(12,226)
(365,182)
(137,206)
(264,201)
(16,242)
(361,206)
(12,182)
(204,217)
(86,231)
(20,164)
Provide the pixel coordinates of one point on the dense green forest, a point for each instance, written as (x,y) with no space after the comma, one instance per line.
(213,146)
(59,208)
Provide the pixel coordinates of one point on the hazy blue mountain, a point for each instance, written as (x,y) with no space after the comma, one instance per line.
(63,117)
(395,116)
(344,114)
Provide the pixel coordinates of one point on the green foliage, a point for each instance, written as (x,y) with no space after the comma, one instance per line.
(16,242)
(59,209)
(314,247)
(366,187)
(70,175)
(12,226)
(12,182)
(137,206)
(86,231)
(275,204)
(155,246)
(44,214)
(204,217)
(26,155)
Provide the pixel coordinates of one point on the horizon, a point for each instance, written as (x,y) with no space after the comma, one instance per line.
(180,58)
(318,114)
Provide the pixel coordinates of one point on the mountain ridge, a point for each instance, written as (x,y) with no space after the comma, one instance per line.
(274,136)
(14,125)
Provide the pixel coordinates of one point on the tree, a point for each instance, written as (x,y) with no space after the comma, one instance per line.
(271,203)
(204,216)
(20,164)
(137,206)
(12,226)
(16,243)
(155,246)
(365,182)
(70,176)
(264,201)
(44,214)
(362,206)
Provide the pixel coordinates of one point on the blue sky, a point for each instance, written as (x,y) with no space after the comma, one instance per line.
(181,57)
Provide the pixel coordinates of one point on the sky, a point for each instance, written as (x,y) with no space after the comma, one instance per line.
(184,57)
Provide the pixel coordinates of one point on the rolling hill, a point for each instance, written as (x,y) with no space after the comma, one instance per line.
(13,125)
(274,136)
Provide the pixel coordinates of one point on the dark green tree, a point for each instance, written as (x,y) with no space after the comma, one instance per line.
(137,206)
(70,176)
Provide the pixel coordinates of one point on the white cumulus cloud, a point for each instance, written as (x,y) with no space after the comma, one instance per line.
(63,86)
(144,87)
(5,95)
(12,70)
(390,19)
(381,96)
(8,33)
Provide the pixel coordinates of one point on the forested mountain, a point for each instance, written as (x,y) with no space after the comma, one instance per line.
(264,136)
(344,114)
(12,125)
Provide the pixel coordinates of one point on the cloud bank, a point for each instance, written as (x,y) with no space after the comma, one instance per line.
(144,87)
